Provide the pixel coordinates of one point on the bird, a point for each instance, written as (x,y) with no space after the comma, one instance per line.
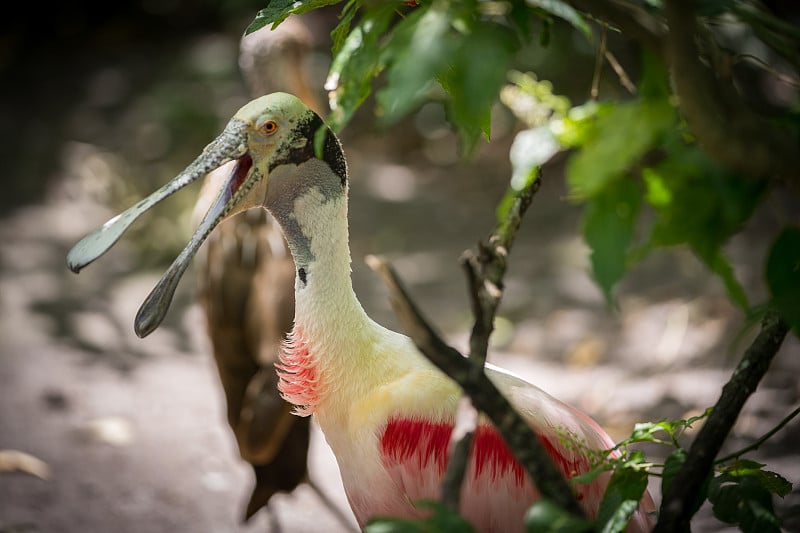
(384,409)
(245,288)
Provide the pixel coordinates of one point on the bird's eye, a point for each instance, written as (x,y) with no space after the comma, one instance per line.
(269,127)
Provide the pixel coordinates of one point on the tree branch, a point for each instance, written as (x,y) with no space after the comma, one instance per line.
(484,395)
(677,505)
(728,130)
(485,271)
(759,441)
(466,421)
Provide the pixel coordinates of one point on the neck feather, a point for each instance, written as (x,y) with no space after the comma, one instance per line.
(310,204)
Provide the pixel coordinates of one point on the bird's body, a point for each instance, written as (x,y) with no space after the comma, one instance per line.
(386,412)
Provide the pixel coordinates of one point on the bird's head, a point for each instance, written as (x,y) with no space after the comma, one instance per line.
(268,135)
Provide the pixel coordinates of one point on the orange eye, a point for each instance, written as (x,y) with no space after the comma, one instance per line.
(269,127)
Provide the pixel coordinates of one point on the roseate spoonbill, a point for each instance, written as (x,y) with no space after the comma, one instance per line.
(245,286)
(386,412)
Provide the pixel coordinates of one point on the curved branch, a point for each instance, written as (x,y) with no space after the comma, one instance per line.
(676,509)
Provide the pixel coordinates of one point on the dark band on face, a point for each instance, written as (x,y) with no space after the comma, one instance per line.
(331,152)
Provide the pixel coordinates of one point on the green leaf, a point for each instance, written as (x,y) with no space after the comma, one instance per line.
(544,516)
(618,140)
(771,481)
(672,466)
(783,276)
(646,431)
(355,65)
(725,497)
(743,501)
(279,10)
(591,475)
(473,86)
(416,54)
(342,30)
(621,499)
(580,124)
(655,78)
(700,205)
(608,228)
(618,521)
(564,11)
(760,518)
(774,482)
(719,265)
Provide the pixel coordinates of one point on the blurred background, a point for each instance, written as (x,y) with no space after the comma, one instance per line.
(101,103)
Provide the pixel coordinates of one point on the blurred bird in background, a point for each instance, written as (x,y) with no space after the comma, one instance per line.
(245,285)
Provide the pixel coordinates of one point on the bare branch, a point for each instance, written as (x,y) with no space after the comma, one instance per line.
(761,440)
(624,79)
(485,271)
(485,396)
(678,504)
(466,422)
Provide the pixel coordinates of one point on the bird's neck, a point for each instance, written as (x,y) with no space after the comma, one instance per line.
(330,323)
(325,304)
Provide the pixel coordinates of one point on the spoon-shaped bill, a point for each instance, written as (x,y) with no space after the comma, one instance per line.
(228,146)
(155,306)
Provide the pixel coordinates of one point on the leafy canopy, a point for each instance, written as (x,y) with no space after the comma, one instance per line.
(634,164)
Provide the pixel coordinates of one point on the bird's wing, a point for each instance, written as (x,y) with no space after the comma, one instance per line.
(570,436)
(548,416)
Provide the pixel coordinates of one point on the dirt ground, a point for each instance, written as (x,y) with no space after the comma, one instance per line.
(128,435)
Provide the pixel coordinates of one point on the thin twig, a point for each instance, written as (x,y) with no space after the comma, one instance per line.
(631,19)
(761,440)
(484,271)
(780,76)
(678,504)
(624,79)
(598,65)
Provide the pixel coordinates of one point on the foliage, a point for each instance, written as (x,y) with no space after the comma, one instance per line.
(635,164)
(740,492)
(626,156)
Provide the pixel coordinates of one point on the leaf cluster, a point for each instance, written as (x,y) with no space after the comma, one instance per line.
(454,51)
(628,158)
(632,156)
